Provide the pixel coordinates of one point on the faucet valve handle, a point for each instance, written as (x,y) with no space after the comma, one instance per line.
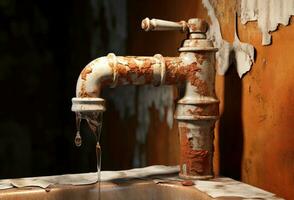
(162,25)
(193,25)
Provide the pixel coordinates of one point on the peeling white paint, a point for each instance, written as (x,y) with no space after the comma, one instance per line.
(244,52)
(227,187)
(123,99)
(214,33)
(268,14)
(161,97)
(162,100)
(87,178)
(244,56)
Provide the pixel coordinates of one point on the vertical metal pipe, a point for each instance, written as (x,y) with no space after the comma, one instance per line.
(196,113)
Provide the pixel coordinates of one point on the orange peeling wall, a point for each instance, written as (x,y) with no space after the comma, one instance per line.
(254,138)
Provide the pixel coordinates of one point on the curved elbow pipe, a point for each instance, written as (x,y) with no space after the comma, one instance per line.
(92,76)
(114,70)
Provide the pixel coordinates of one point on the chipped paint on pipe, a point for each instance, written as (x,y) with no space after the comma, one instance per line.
(196,113)
(118,70)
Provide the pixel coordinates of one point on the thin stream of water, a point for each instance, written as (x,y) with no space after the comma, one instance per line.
(94,120)
(98,155)
(78,138)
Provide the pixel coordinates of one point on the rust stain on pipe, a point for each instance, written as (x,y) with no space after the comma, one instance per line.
(140,70)
(177,72)
(174,74)
(83,93)
(205,110)
(196,162)
(87,70)
(131,71)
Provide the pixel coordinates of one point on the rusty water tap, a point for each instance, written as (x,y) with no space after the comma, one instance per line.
(196,112)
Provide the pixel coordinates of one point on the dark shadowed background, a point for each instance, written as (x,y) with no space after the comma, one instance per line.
(44,44)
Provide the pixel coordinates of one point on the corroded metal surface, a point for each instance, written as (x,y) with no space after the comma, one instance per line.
(117,70)
(196,112)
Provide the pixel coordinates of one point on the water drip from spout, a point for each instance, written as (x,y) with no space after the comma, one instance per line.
(98,155)
(78,138)
(94,120)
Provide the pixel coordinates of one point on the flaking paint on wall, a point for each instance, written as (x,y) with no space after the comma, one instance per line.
(244,55)
(268,14)
(244,52)
(124,98)
(159,97)
(162,100)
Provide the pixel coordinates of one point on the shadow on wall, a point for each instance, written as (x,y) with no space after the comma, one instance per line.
(231,126)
